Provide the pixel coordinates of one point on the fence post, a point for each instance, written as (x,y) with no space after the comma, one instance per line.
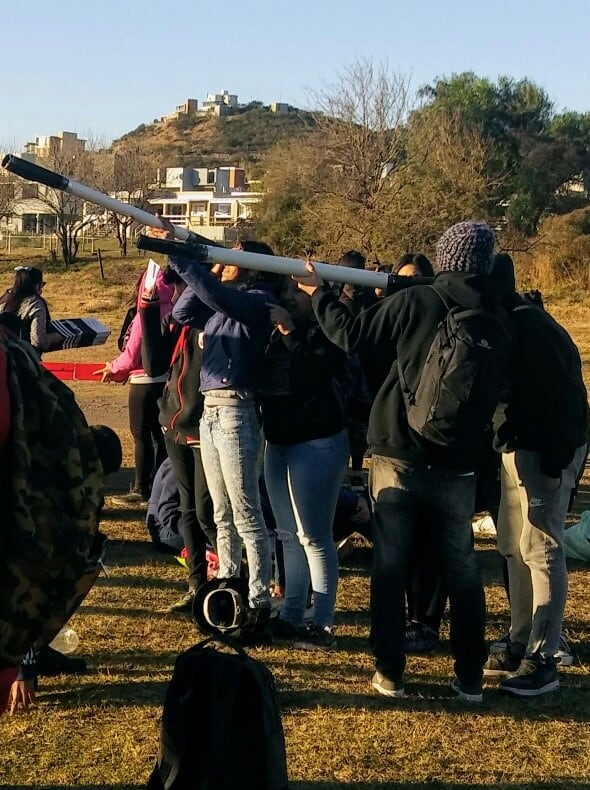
(9,243)
(99,253)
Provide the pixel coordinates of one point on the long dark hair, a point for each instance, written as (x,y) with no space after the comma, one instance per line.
(26,280)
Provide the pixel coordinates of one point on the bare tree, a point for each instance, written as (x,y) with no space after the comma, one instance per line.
(361,132)
(130,179)
(68,210)
(8,194)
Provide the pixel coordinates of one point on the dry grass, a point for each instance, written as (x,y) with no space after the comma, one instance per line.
(101,730)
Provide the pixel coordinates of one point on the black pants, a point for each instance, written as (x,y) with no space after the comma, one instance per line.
(196,508)
(404,498)
(148,440)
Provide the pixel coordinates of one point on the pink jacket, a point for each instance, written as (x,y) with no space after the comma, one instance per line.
(128,363)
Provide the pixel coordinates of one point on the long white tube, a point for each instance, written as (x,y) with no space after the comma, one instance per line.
(245,260)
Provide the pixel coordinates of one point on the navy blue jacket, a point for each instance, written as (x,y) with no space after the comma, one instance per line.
(235,337)
(163,515)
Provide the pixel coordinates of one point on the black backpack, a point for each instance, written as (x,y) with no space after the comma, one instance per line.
(462,378)
(221,727)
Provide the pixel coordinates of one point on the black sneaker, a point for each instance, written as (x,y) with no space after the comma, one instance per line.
(533,678)
(501,665)
(285,629)
(257,630)
(420,638)
(314,637)
(51,662)
(184,605)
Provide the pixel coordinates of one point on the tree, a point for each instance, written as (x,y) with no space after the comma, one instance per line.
(7,194)
(129,174)
(533,152)
(445,180)
(68,210)
(360,135)
(326,189)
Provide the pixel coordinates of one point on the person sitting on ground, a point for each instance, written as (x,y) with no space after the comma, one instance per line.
(163,514)
(24,301)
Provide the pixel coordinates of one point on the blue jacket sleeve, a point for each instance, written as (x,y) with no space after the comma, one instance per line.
(189,309)
(247,307)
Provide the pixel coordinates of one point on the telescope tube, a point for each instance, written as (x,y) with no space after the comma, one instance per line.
(199,247)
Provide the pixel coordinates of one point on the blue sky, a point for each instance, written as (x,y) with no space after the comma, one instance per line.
(105,67)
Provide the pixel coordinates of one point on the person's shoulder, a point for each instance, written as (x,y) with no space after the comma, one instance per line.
(31,304)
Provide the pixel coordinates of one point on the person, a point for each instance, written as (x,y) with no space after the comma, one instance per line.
(54,467)
(304,462)
(43,660)
(24,301)
(144,392)
(234,340)
(163,515)
(170,346)
(541,429)
(355,297)
(412,478)
(355,390)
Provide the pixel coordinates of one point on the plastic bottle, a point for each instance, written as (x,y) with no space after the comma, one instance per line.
(66,641)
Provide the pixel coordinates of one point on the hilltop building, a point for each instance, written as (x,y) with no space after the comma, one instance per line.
(61,144)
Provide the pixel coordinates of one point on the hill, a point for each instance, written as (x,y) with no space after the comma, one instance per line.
(239,139)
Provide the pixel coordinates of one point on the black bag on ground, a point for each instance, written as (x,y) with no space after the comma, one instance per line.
(463,376)
(221,727)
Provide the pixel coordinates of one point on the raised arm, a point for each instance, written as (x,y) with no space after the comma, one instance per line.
(247,307)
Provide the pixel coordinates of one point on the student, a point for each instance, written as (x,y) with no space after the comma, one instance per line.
(541,429)
(304,462)
(24,301)
(144,392)
(234,341)
(412,478)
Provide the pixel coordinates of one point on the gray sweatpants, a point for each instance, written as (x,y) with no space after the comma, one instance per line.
(530,537)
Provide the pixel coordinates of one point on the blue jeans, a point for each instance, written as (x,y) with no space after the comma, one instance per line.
(303,481)
(404,498)
(230,444)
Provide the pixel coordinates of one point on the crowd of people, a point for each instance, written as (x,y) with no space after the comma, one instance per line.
(263,391)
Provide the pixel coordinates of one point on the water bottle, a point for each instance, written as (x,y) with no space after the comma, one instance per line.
(66,641)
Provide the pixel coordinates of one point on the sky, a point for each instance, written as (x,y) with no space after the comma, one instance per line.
(102,68)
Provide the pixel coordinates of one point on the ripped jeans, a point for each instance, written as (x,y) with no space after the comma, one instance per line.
(303,481)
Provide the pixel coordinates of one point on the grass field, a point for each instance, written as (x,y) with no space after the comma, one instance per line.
(100,730)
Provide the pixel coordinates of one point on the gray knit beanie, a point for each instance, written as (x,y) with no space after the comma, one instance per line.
(466,247)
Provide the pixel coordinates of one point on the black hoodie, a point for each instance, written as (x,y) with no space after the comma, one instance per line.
(399,332)
(546,408)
